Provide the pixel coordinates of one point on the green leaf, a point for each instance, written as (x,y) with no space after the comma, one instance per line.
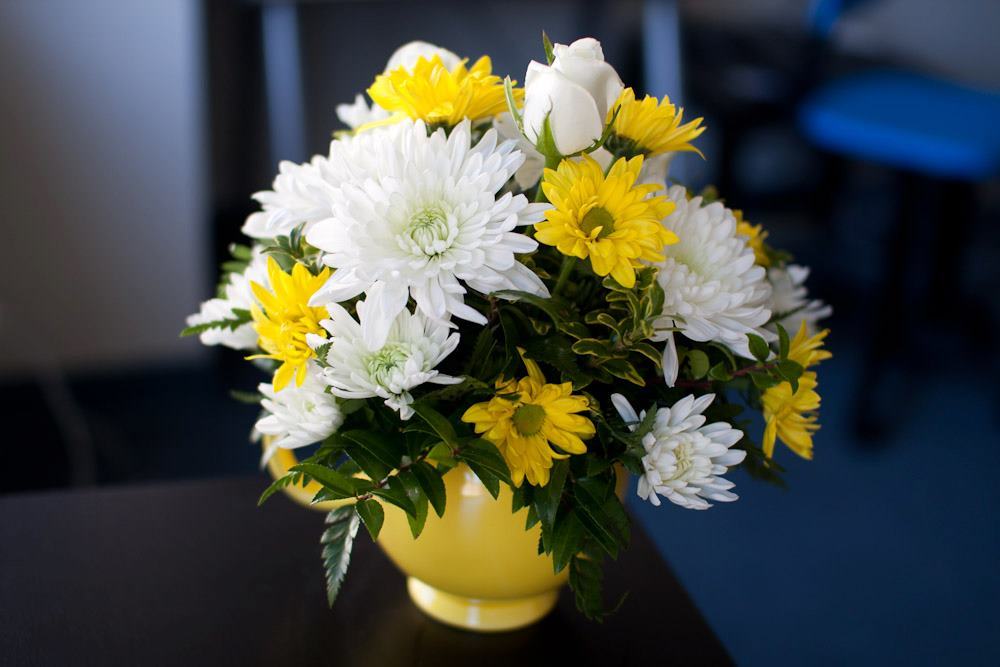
(758,347)
(604,518)
(553,307)
(437,421)
(240,317)
(249,397)
(548,497)
(372,515)
(485,460)
(783,343)
(720,372)
(762,380)
(593,346)
(547,45)
(790,371)
(394,492)
(286,480)
(419,499)
(508,91)
(623,369)
(585,579)
(698,363)
(377,453)
(241,252)
(568,535)
(430,481)
(327,477)
(337,541)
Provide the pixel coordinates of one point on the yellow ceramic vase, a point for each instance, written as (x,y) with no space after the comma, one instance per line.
(476,567)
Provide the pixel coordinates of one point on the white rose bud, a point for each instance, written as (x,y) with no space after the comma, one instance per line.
(408,54)
(576,92)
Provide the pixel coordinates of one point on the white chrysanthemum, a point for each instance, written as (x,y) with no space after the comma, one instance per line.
(713,291)
(417,214)
(685,458)
(790,300)
(301,195)
(238,296)
(359,113)
(415,345)
(298,415)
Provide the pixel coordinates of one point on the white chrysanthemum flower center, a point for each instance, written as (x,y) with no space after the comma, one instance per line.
(415,345)
(685,457)
(429,232)
(419,217)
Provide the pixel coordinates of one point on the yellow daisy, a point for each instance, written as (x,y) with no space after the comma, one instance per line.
(756,236)
(606,218)
(286,318)
(791,415)
(432,93)
(651,127)
(526,418)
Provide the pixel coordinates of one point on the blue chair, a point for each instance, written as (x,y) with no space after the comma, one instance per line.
(938,136)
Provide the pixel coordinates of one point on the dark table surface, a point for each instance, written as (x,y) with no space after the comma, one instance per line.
(194,573)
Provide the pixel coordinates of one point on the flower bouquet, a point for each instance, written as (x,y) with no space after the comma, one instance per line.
(495,292)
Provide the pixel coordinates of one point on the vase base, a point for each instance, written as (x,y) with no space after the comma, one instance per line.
(479,615)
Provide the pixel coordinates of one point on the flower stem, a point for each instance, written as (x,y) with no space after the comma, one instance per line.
(564,271)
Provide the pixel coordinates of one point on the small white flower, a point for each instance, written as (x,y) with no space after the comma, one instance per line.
(529,173)
(790,300)
(575,92)
(713,291)
(415,345)
(238,296)
(417,214)
(301,196)
(359,113)
(298,415)
(685,458)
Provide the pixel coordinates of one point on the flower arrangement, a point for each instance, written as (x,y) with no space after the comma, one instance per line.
(505,278)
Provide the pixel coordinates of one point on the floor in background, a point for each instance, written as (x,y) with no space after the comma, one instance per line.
(873,556)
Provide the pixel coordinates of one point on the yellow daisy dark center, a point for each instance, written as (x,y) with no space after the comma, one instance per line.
(598,217)
(528,419)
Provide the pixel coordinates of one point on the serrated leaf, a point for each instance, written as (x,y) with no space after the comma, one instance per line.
(566,540)
(437,421)
(585,579)
(698,363)
(286,480)
(372,515)
(337,542)
(602,513)
(758,347)
(430,481)
(547,498)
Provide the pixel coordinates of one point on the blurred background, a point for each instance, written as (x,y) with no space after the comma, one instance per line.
(864,135)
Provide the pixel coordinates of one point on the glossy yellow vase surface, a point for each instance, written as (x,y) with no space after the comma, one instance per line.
(476,567)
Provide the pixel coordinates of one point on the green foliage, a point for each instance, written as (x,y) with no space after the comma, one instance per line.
(337,541)
(430,482)
(372,514)
(239,318)
(547,45)
(485,460)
